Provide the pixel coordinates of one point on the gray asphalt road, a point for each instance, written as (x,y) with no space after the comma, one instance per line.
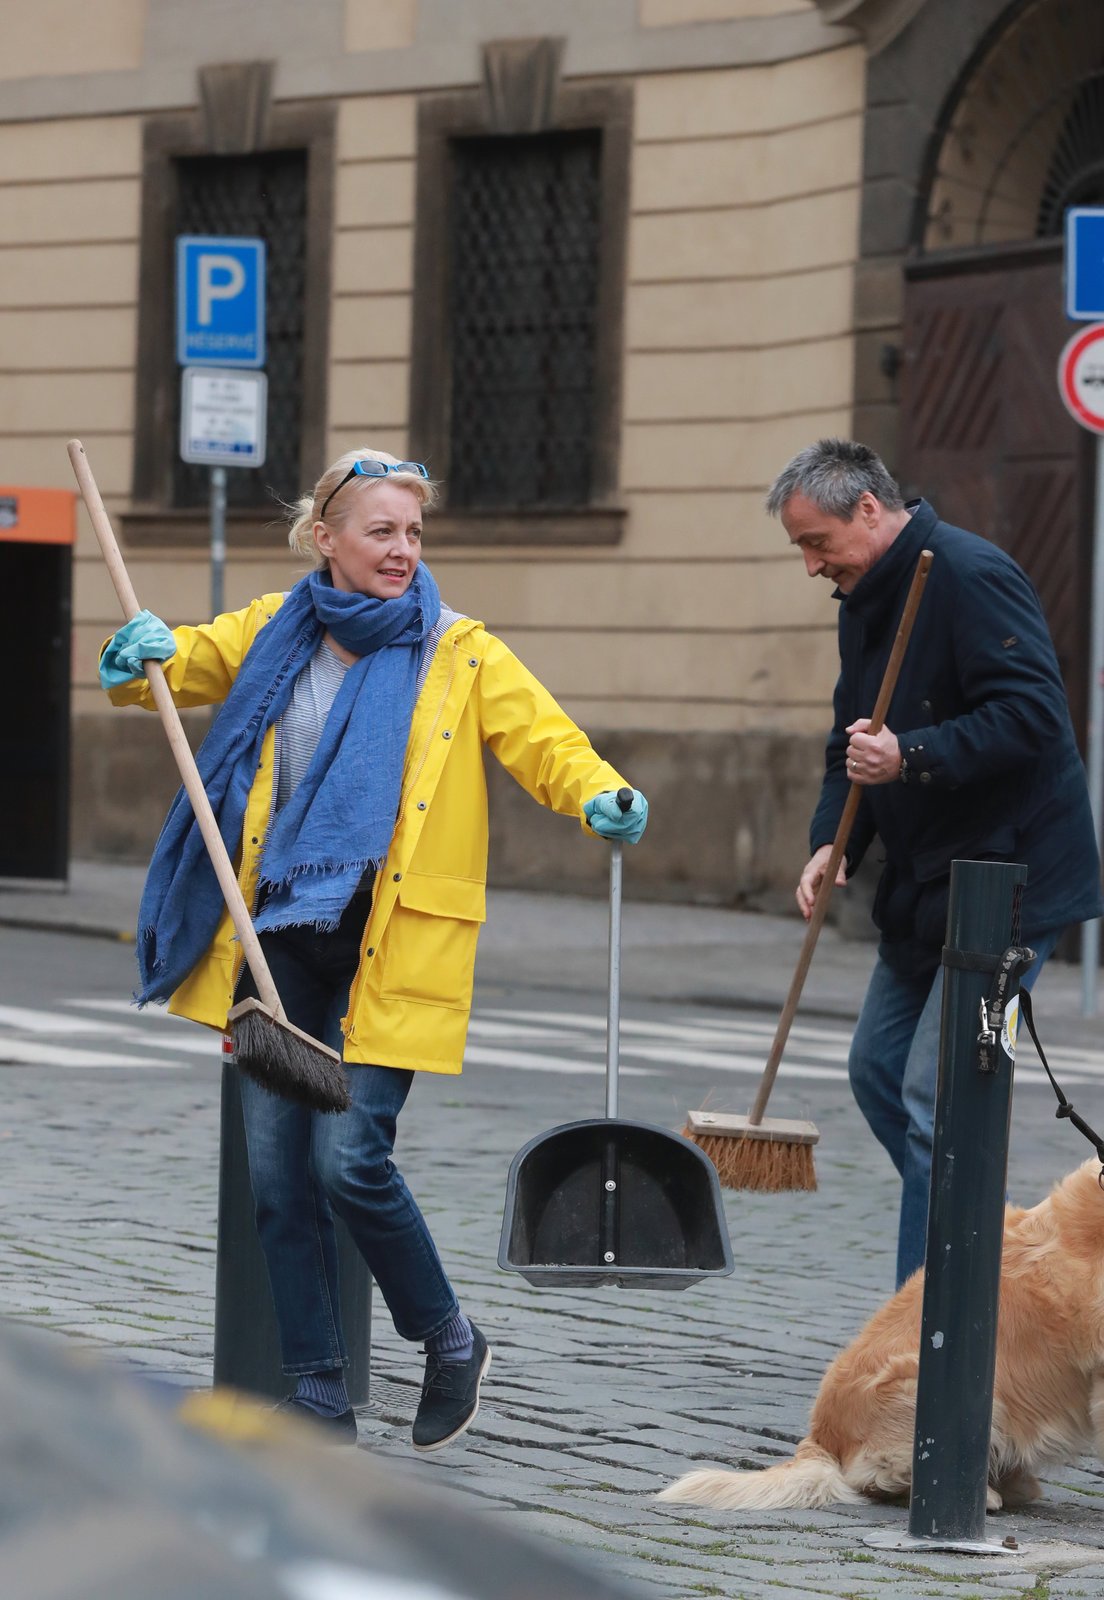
(108,1171)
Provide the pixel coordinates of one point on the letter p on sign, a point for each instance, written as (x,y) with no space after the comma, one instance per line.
(220,278)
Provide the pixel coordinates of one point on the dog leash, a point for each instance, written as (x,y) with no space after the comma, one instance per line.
(992,1010)
(1065,1108)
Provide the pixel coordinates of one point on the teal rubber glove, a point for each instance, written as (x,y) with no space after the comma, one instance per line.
(605,816)
(144,638)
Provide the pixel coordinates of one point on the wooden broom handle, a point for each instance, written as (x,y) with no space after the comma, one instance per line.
(178,742)
(839,844)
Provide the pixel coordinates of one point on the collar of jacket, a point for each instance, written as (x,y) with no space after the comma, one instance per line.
(877,589)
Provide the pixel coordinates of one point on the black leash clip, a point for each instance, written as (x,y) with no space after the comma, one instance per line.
(1005,969)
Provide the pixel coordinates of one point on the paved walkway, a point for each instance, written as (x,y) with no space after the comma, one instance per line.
(595,1400)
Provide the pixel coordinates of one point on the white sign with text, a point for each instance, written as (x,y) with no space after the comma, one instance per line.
(222,417)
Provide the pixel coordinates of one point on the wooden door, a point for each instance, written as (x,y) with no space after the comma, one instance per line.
(985,436)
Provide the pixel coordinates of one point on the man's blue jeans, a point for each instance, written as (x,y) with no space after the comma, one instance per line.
(304,1166)
(893,1066)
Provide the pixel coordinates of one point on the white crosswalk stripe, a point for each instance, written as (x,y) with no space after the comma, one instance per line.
(670,1045)
(35,1053)
(93,1033)
(530,1061)
(740,1044)
(34,1037)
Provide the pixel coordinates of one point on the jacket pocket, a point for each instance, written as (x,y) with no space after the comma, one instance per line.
(932,869)
(431,939)
(995,844)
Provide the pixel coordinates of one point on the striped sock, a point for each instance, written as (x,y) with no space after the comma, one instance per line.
(454,1342)
(324,1392)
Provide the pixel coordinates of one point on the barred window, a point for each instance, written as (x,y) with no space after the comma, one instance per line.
(520,250)
(237,165)
(523,297)
(257,196)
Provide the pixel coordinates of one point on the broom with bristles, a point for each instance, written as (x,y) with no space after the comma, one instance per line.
(279,1056)
(751,1152)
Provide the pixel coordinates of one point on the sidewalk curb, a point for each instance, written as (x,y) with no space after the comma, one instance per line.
(81,929)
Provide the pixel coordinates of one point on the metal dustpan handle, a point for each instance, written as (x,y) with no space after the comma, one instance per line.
(613,1017)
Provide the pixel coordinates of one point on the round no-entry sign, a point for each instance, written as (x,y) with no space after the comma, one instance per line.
(1081,377)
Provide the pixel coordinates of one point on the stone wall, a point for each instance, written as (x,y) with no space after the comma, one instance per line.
(695,650)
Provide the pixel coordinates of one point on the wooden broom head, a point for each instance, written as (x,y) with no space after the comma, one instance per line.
(285,1060)
(771,1156)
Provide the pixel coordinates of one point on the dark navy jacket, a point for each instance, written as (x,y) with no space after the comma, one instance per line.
(982,720)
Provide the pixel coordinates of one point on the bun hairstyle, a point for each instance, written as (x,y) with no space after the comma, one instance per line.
(304,512)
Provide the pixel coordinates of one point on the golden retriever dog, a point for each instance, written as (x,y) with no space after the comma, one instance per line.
(1048,1398)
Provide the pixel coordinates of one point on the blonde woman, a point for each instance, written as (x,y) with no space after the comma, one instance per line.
(346,769)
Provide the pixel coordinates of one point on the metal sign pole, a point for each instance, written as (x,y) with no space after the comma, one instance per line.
(218,539)
(958,1332)
(1090,937)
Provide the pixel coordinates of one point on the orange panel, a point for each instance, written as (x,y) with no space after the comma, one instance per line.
(38,516)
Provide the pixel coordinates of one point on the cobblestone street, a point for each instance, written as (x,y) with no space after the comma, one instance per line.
(596,1398)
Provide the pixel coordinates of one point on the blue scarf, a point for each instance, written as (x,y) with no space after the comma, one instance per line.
(341,817)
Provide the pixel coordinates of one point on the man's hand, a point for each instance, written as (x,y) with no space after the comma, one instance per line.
(811,879)
(872,757)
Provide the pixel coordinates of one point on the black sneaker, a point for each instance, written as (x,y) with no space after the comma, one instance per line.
(340,1429)
(450,1395)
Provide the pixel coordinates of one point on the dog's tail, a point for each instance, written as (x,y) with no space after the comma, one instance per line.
(813,1478)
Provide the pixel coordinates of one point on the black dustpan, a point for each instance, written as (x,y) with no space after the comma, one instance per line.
(608,1201)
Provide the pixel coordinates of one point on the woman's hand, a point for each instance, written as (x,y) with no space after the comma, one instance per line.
(144,638)
(605,816)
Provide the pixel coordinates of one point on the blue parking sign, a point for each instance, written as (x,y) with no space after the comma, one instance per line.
(220,301)
(1085,263)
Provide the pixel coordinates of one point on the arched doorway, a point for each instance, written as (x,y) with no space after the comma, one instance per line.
(983,432)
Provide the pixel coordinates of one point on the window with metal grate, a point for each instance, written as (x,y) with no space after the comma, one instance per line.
(524,224)
(256,196)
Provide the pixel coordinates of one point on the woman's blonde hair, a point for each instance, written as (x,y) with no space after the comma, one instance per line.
(306,511)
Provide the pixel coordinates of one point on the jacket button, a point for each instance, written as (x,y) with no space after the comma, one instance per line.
(421,805)
(398,876)
(925,706)
(371,950)
(472,662)
(925,777)
(446,734)
(254,840)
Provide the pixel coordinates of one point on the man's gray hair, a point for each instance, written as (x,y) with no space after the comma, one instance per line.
(834,474)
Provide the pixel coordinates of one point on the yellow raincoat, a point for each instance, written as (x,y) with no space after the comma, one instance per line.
(411,996)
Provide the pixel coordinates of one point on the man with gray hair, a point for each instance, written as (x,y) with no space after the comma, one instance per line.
(976,761)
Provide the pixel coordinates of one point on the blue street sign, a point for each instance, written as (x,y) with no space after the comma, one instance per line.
(1085,263)
(220,301)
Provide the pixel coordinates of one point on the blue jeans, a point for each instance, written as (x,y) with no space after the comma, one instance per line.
(893,1066)
(306,1165)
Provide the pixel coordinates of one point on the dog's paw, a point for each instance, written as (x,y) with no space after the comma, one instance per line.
(1019,1488)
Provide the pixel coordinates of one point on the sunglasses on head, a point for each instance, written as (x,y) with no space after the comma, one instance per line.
(374,469)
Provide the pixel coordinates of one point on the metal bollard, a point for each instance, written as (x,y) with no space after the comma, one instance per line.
(958,1337)
(247,1346)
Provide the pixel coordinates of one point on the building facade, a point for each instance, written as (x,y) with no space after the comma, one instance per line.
(603,265)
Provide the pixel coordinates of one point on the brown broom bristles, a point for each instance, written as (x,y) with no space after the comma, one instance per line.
(286,1061)
(767,1164)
